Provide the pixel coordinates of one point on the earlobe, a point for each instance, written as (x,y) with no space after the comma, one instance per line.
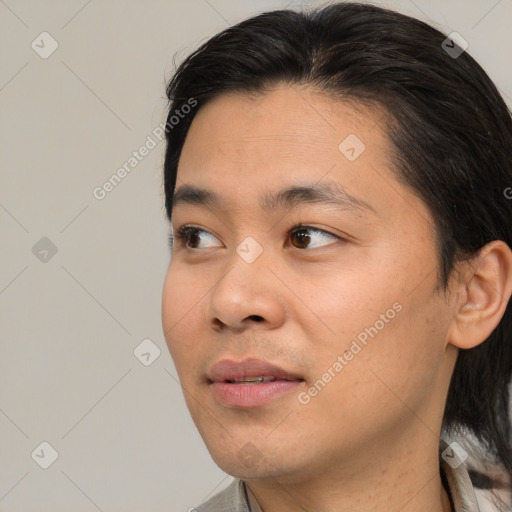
(487,282)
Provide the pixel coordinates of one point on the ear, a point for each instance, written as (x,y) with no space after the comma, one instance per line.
(485,287)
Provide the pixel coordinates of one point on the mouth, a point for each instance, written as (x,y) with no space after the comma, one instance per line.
(250,383)
(253,380)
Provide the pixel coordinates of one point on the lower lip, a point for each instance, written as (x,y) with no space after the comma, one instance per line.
(252,395)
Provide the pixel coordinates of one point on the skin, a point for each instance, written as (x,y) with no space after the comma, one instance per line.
(369,439)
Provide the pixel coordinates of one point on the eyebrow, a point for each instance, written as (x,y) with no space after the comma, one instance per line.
(327,193)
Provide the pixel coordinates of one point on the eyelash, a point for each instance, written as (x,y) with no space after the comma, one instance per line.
(184,231)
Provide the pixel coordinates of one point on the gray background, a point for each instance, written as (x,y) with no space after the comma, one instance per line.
(72,320)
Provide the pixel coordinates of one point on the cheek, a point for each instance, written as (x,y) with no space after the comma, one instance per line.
(181,317)
(345,303)
(382,324)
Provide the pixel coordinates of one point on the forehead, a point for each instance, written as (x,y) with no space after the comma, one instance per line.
(242,145)
(290,122)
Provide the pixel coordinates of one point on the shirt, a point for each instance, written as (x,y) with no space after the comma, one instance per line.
(238,498)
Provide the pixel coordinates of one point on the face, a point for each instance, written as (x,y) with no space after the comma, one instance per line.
(301,305)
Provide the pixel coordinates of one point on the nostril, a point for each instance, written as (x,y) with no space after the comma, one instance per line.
(256,318)
(218,323)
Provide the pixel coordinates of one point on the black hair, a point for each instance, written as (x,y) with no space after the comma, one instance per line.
(450,136)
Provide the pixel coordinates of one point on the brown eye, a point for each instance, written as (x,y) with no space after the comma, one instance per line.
(300,238)
(192,238)
(305,237)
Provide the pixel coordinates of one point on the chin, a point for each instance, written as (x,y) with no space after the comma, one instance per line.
(246,463)
(244,459)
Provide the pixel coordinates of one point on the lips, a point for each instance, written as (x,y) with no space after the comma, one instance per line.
(250,383)
(248,371)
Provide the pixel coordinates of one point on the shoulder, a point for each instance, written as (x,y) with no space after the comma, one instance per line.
(231,499)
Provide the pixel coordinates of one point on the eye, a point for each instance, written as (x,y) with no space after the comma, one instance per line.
(301,237)
(192,238)
(307,237)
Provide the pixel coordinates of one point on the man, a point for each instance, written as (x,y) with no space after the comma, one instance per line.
(338,292)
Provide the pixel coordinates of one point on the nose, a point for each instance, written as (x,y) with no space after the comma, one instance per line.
(247,296)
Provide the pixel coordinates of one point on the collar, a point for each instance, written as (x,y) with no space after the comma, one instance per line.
(456,479)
